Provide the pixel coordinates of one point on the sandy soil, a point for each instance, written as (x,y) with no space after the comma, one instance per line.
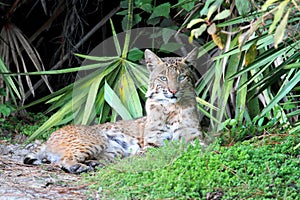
(26,182)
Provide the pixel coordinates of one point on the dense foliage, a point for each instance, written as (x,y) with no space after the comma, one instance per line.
(253,51)
(260,168)
(16,129)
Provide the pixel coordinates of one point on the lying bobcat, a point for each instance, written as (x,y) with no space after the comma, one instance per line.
(172,114)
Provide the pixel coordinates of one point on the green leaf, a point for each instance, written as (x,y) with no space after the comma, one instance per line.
(278,15)
(140,74)
(239,20)
(162,10)
(283,92)
(143,2)
(135,54)
(2,92)
(206,7)
(222,15)
(136,19)
(124,4)
(167,34)
(90,102)
(243,7)
(115,38)
(147,8)
(198,31)
(241,98)
(204,111)
(153,21)
(114,101)
(262,60)
(279,33)
(53,120)
(187,6)
(267,4)
(207,104)
(263,41)
(212,10)
(128,93)
(13,88)
(232,68)
(194,21)
(128,29)
(4,110)
(64,71)
(124,12)
(170,47)
(294,65)
(96,58)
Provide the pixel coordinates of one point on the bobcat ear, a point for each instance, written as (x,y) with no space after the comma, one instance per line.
(191,57)
(151,59)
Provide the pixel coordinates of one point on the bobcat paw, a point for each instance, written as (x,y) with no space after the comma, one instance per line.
(31,159)
(93,163)
(78,168)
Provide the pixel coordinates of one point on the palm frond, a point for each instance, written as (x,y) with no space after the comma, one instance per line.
(11,50)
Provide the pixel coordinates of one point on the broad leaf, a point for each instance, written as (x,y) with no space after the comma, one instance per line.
(243,7)
(194,22)
(162,10)
(114,101)
(222,15)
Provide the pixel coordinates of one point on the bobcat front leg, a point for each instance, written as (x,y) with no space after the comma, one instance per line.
(156,133)
(187,127)
(189,134)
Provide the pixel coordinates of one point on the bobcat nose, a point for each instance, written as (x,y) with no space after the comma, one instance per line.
(173,91)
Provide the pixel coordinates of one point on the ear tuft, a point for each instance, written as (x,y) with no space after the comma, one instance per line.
(151,59)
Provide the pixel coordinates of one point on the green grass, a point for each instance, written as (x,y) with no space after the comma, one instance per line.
(260,168)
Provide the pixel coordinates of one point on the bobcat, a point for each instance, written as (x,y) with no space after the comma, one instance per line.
(172,114)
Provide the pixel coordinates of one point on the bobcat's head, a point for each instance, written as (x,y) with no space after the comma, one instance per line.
(170,78)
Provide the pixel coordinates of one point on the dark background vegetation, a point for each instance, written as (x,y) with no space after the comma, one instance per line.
(57,30)
(253,46)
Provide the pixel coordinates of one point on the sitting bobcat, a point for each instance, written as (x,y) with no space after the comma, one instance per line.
(172,114)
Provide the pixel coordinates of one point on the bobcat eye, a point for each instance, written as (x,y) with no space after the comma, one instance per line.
(181,77)
(163,78)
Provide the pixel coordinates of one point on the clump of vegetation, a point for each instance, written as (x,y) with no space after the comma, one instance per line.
(16,128)
(235,131)
(265,167)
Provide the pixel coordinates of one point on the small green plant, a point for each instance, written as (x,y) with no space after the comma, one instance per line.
(257,168)
(5,108)
(26,125)
(236,131)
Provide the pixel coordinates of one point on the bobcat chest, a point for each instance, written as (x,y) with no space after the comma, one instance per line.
(168,117)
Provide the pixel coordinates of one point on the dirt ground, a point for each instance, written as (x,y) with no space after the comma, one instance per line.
(26,182)
(20,181)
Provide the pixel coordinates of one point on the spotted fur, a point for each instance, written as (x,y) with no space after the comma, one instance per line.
(172,114)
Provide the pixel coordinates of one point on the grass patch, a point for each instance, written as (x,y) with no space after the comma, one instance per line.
(261,168)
